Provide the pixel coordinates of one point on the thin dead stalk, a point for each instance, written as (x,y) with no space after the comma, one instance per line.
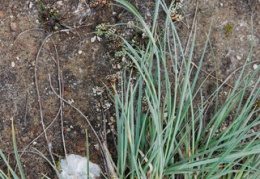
(110,166)
(39,98)
(60,100)
(18,36)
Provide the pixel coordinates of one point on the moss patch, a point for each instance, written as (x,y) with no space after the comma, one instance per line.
(228,29)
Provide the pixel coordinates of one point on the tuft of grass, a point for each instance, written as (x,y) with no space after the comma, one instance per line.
(168,136)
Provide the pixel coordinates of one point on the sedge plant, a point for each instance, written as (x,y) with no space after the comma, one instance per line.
(161,125)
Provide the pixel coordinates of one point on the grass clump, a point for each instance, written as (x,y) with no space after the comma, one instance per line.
(167,136)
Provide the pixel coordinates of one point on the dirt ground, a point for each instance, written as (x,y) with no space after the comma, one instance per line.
(79,66)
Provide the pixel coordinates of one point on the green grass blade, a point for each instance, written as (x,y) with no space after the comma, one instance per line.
(17,158)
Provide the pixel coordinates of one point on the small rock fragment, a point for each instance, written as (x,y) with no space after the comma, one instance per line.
(60,3)
(148,14)
(12,64)
(255,66)
(98,38)
(13,26)
(93,39)
(238,57)
(30,5)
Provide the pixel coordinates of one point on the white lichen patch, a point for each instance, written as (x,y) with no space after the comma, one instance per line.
(97,90)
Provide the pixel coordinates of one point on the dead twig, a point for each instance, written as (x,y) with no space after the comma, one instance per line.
(39,98)
(61,92)
(110,166)
(18,36)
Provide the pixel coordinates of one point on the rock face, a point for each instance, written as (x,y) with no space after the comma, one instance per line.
(75,167)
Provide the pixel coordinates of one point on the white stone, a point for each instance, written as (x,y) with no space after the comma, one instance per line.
(99,39)
(239,57)
(255,66)
(75,166)
(93,39)
(30,5)
(12,64)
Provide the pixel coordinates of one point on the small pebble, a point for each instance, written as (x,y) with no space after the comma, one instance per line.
(148,14)
(80,70)
(119,66)
(13,26)
(99,39)
(30,5)
(12,64)
(80,52)
(59,3)
(93,39)
(238,57)
(255,66)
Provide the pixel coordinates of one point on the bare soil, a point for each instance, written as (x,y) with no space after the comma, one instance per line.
(77,66)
